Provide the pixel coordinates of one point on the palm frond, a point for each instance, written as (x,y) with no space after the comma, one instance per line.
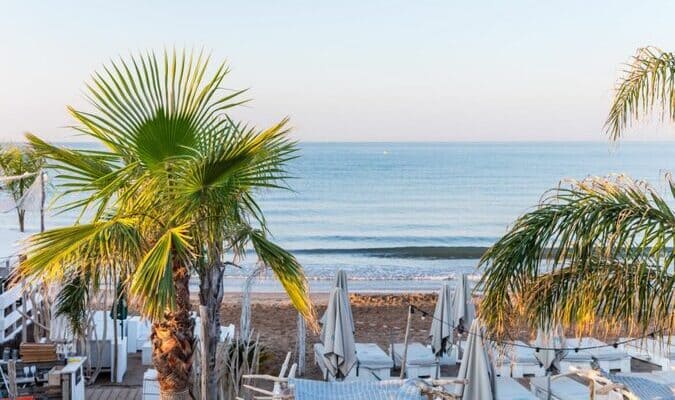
(153,109)
(648,82)
(152,282)
(602,293)
(598,221)
(289,272)
(241,160)
(71,302)
(83,248)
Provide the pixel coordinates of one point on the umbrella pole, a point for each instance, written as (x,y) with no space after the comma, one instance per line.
(405,343)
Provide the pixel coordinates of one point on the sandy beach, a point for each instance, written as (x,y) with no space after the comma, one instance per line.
(379,318)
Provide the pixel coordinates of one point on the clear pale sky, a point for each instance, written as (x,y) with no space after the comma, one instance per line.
(351,70)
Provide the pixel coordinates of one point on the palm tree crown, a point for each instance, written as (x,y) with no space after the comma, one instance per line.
(171,194)
(596,253)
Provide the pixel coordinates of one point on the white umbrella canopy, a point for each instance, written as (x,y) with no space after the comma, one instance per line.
(442,324)
(477,368)
(464,311)
(340,282)
(339,348)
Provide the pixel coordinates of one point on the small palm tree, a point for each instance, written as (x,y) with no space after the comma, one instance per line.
(171,195)
(18,160)
(599,252)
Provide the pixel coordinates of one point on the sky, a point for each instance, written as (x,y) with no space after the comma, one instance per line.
(350,70)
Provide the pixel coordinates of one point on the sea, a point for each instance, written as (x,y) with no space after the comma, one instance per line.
(407,216)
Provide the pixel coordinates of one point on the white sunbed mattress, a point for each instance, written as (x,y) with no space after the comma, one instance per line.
(521,355)
(509,389)
(562,388)
(371,356)
(418,354)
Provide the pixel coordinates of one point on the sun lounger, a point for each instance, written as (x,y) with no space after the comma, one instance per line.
(507,389)
(420,361)
(563,388)
(521,362)
(510,389)
(372,363)
(659,351)
(608,358)
(581,359)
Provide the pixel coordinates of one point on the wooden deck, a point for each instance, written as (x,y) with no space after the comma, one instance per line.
(113,393)
(131,388)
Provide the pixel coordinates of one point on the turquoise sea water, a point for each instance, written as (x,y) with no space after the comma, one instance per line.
(405,212)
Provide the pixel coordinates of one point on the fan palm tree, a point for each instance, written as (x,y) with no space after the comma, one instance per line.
(170,195)
(18,160)
(596,253)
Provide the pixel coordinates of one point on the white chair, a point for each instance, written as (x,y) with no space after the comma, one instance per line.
(420,361)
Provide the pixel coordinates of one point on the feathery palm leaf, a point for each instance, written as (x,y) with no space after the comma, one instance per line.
(71,302)
(576,233)
(289,272)
(172,158)
(152,281)
(647,83)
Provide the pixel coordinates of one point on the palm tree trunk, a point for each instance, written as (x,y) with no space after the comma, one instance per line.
(173,341)
(210,299)
(22,217)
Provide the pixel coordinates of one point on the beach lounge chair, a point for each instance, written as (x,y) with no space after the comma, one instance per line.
(509,389)
(521,362)
(420,361)
(659,351)
(372,363)
(562,388)
(608,358)
(581,359)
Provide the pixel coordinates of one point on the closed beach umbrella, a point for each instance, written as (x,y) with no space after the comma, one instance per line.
(464,311)
(477,368)
(339,349)
(442,324)
(340,282)
(549,342)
